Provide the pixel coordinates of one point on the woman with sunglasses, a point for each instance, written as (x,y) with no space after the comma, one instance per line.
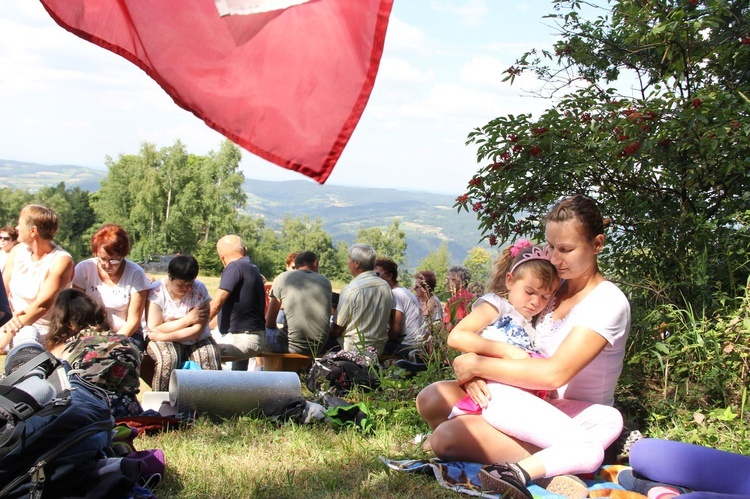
(8,239)
(115,282)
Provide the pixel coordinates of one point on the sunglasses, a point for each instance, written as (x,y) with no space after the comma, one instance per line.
(4,238)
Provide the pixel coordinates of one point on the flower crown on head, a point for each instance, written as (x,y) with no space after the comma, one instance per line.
(536,253)
(520,244)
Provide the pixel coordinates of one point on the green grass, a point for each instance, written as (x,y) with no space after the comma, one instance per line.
(248,457)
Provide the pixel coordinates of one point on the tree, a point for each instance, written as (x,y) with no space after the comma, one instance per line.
(303,234)
(221,181)
(170,201)
(263,245)
(340,271)
(76,217)
(11,203)
(438,261)
(479,262)
(652,119)
(388,243)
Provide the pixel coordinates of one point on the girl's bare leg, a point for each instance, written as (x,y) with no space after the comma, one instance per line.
(434,402)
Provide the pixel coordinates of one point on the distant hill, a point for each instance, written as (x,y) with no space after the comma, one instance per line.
(428,219)
(31,176)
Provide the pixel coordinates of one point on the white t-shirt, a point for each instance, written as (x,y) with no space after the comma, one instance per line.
(509,326)
(114,298)
(412,321)
(171,309)
(606,311)
(27,278)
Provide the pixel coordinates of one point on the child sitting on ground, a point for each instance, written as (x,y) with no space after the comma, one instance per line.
(79,334)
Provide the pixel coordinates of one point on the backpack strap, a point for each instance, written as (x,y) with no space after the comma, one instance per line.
(29,366)
(18,403)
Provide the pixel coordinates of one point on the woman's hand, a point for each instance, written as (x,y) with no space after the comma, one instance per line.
(477,390)
(198,314)
(156,336)
(463,367)
(15,323)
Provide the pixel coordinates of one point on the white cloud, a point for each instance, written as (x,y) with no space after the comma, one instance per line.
(471,12)
(403,36)
(483,70)
(401,70)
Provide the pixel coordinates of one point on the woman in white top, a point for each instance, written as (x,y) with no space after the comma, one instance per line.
(582,332)
(115,282)
(178,322)
(36,270)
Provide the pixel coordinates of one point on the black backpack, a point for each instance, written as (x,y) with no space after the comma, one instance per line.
(54,428)
(338,376)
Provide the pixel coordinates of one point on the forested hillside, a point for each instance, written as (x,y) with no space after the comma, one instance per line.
(428,219)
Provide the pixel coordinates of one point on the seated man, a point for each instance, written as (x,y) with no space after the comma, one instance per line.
(406,331)
(364,308)
(306,298)
(239,303)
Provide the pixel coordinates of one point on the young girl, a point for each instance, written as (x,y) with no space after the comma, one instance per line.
(79,334)
(523,283)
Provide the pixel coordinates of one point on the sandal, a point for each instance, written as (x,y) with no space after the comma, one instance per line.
(569,486)
(502,479)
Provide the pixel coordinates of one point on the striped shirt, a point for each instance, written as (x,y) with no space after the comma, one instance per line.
(364,311)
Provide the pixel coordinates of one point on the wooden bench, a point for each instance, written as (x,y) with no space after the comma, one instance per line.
(286,361)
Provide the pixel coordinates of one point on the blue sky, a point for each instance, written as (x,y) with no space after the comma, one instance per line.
(66,101)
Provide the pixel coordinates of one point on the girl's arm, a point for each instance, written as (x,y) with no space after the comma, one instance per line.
(135,312)
(465,336)
(579,348)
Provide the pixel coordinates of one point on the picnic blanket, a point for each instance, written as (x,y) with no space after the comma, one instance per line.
(462,477)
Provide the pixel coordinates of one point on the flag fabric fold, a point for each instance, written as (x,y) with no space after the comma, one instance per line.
(288,85)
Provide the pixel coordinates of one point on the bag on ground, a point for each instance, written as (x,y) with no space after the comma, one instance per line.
(54,428)
(337,372)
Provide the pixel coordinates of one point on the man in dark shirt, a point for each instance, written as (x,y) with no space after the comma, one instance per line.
(240,304)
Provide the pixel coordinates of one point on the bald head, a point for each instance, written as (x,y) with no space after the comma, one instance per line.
(230,248)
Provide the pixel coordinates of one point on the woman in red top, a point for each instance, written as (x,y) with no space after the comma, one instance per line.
(458,305)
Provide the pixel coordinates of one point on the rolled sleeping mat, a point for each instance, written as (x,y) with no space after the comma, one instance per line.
(231,393)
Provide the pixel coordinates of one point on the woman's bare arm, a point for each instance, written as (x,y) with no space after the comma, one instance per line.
(58,278)
(135,312)
(578,349)
(189,327)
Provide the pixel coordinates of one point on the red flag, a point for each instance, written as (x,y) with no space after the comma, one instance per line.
(288,85)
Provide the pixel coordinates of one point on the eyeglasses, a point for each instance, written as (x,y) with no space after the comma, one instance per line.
(4,238)
(112,262)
